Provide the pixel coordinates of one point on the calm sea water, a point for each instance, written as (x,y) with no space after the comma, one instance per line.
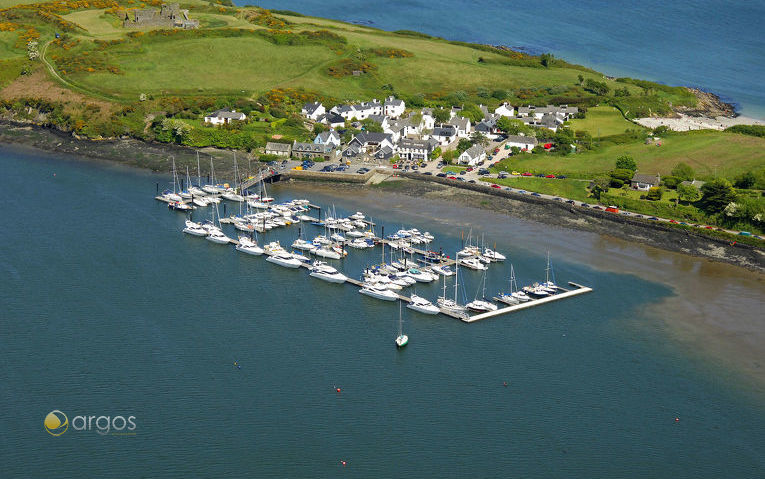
(714,45)
(108,309)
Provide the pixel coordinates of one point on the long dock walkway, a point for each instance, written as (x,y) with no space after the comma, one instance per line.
(529,304)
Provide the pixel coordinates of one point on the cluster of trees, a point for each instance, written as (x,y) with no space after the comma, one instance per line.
(597,87)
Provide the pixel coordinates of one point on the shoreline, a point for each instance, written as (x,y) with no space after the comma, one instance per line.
(157,157)
(718,331)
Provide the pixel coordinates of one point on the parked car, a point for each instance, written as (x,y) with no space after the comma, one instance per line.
(596,207)
(585,205)
(441,175)
(515,173)
(571,202)
(362,171)
(535,194)
(540,175)
(469,168)
(562,177)
(558,198)
(427,173)
(550,176)
(507,188)
(503,172)
(452,177)
(526,173)
(496,150)
(494,185)
(471,181)
(463,172)
(655,218)
(744,233)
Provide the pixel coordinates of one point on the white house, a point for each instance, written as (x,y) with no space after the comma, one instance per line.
(417,150)
(525,143)
(505,109)
(644,182)
(428,120)
(329,138)
(472,156)
(563,111)
(488,128)
(221,117)
(313,110)
(279,149)
(462,125)
(393,107)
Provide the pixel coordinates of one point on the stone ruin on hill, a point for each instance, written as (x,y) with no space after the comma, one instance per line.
(168,16)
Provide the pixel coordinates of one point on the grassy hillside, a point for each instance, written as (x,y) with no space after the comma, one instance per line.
(710,153)
(603,121)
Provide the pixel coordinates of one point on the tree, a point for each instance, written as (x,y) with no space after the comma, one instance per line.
(463,145)
(654,193)
(499,94)
(745,181)
(372,126)
(514,127)
(547,60)
(683,171)
(580,78)
(670,182)
(477,138)
(716,194)
(441,115)
(626,162)
(319,128)
(616,183)
(622,174)
(600,185)
(436,152)
(596,87)
(472,113)
(688,193)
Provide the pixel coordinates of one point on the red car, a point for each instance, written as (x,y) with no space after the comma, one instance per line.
(496,150)
(550,176)
(526,173)
(452,177)
(395,167)
(494,185)
(673,221)
(469,168)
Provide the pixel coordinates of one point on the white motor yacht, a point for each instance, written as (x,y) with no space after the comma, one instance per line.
(284,259)
(493,255)
(232,196)
(247,245)
(217,236)
(194,229)
(443,270)
(378,291)
(473,263)
(304,245)
(419,276)
(326,272)
(481,306)
(325,252)
(422,305)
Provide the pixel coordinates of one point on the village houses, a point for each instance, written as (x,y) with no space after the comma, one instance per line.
(278,149)
(472,156)
(642,182)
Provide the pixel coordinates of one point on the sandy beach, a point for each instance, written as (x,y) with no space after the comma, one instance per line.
(687,123)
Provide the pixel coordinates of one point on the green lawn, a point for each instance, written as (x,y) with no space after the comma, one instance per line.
(455,169)
(206,66)
(603,121)
(709,153)
(573,189)
(7,50)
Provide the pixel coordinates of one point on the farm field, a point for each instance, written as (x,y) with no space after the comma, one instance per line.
(603,121)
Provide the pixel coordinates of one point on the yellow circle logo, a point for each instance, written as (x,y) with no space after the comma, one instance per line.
(56,423)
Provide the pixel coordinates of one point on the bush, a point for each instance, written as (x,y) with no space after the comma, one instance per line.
(671,182)
(626,162)
(622,174)
(596,87)
(654,193)
(616,183)
(752,130)
(745,181)
(683,171)
(716,195)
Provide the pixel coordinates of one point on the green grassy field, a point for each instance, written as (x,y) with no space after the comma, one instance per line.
(709,153)
(229,65)
(96,23)
(7,50)
(13,3)
(456,169)
(603,121)
(573,189)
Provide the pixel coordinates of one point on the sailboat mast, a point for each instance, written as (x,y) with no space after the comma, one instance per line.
(456,279)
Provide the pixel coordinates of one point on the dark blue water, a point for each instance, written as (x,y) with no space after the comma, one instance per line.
(108,309)
(711,44)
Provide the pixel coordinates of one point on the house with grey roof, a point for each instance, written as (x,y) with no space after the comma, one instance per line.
(462,125)
(393,107)
(385,153)
(488,127)
(332,119)
(525,143)
(444,134)
(311,150)
(472,156)
(224,116)
(644,182)
(330,137)
(368,141)
(279,149)
(563,111)
(313,111)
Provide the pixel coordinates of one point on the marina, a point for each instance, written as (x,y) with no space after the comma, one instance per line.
(383,281)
